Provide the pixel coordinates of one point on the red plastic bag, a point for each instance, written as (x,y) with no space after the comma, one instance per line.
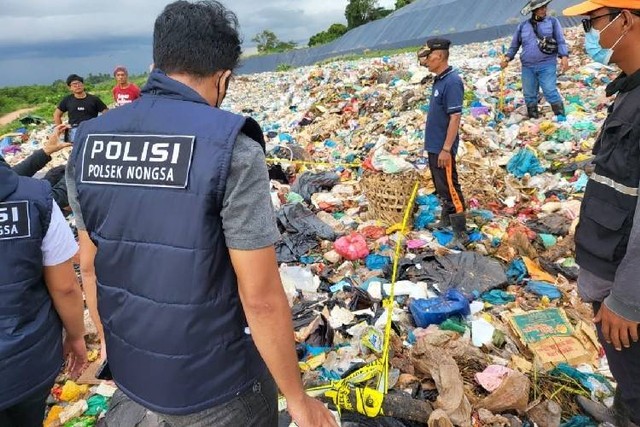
(352,247)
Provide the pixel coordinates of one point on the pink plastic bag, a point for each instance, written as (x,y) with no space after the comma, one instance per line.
(352,247)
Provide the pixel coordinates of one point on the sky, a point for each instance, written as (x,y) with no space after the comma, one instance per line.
(42,40)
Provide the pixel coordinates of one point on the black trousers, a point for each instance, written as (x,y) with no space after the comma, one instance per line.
(625,367)
(447,185)
(29,412)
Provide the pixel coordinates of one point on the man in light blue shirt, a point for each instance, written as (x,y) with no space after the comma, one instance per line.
(542,42)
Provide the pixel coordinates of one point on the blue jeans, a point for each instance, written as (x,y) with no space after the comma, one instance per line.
(540,76)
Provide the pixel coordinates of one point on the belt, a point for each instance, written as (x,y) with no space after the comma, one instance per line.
(629,191)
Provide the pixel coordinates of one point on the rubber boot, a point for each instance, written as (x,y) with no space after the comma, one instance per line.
(444,221)
(558,109)
(602,414)
(459,225)
(532,112)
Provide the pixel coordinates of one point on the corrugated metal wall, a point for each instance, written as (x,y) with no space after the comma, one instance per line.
(461,21)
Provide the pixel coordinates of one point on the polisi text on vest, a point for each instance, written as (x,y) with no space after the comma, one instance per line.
(154,160)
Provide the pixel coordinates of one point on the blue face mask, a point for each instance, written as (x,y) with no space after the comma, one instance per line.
(593,47)
(595,50)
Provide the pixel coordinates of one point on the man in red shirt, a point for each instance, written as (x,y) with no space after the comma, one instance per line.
(124,92)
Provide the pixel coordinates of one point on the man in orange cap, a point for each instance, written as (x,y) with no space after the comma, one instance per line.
(608,236)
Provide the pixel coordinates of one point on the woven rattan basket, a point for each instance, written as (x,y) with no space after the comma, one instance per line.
(388,194)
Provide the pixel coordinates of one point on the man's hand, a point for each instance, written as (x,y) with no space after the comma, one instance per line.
(53,144)
(504,63)
(310,412)
(444,159)
(617,330)
(75,351)
(564,64)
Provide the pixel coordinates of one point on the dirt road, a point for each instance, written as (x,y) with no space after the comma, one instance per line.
(8,118)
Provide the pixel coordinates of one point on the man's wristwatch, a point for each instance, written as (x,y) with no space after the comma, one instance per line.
(446,150)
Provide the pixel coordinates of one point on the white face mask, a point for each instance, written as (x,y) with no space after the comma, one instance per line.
(592,43)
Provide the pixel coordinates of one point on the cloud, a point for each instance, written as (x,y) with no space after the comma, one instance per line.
(77,34)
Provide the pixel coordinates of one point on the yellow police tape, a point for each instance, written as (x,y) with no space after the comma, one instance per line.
(368,401)
(305,163)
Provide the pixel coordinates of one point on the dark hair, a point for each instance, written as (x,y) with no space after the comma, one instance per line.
(74,78)
(196,38)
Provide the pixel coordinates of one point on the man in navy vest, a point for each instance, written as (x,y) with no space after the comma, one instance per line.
(608,235)
(39,294)
(174,193)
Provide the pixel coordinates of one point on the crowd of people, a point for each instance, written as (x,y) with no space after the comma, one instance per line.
(186,294)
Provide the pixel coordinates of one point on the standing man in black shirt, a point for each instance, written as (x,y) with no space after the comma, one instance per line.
(79,105)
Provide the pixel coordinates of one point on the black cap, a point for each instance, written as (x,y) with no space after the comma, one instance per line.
(433,44)
(74,78)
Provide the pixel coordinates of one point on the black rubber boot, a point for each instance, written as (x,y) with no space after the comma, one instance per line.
(558,109)
(532,112)
(444,221)
(460,237)
(615,415)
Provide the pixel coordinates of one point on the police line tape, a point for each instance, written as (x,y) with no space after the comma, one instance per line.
(306,163)
(345,393)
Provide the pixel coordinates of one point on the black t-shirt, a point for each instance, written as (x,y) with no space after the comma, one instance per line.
(81,109)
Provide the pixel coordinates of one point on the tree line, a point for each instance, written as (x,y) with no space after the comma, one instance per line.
(357,13)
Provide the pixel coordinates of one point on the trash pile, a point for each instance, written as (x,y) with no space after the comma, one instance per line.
(494,335)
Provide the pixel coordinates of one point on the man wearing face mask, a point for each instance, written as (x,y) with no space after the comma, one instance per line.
(608,235)
(174,193)
(542,42)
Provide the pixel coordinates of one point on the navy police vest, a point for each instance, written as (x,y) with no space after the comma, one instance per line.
(151,178)
(30,329)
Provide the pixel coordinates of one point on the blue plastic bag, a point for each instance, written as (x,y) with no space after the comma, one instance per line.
(434,311)
(443,237)
(580,421)
(524,162)
(377,262)
(498,297)
(427,213)
(543,289)
(517,271)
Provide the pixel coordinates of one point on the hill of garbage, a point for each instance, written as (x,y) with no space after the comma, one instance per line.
(495,335)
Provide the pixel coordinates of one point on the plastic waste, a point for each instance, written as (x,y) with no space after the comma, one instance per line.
(517,271)
(97,405)
(352,247)
(377,262)
(71,391)
(580,421)
(434,311)
(481,332)
(309,183)
(453,324)
(524,162)
(543,289)
(299,278)
(498,297)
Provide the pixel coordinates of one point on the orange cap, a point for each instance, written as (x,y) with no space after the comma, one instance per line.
(589,6)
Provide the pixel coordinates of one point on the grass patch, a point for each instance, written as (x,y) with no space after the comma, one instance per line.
(368,54)
(284,67)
